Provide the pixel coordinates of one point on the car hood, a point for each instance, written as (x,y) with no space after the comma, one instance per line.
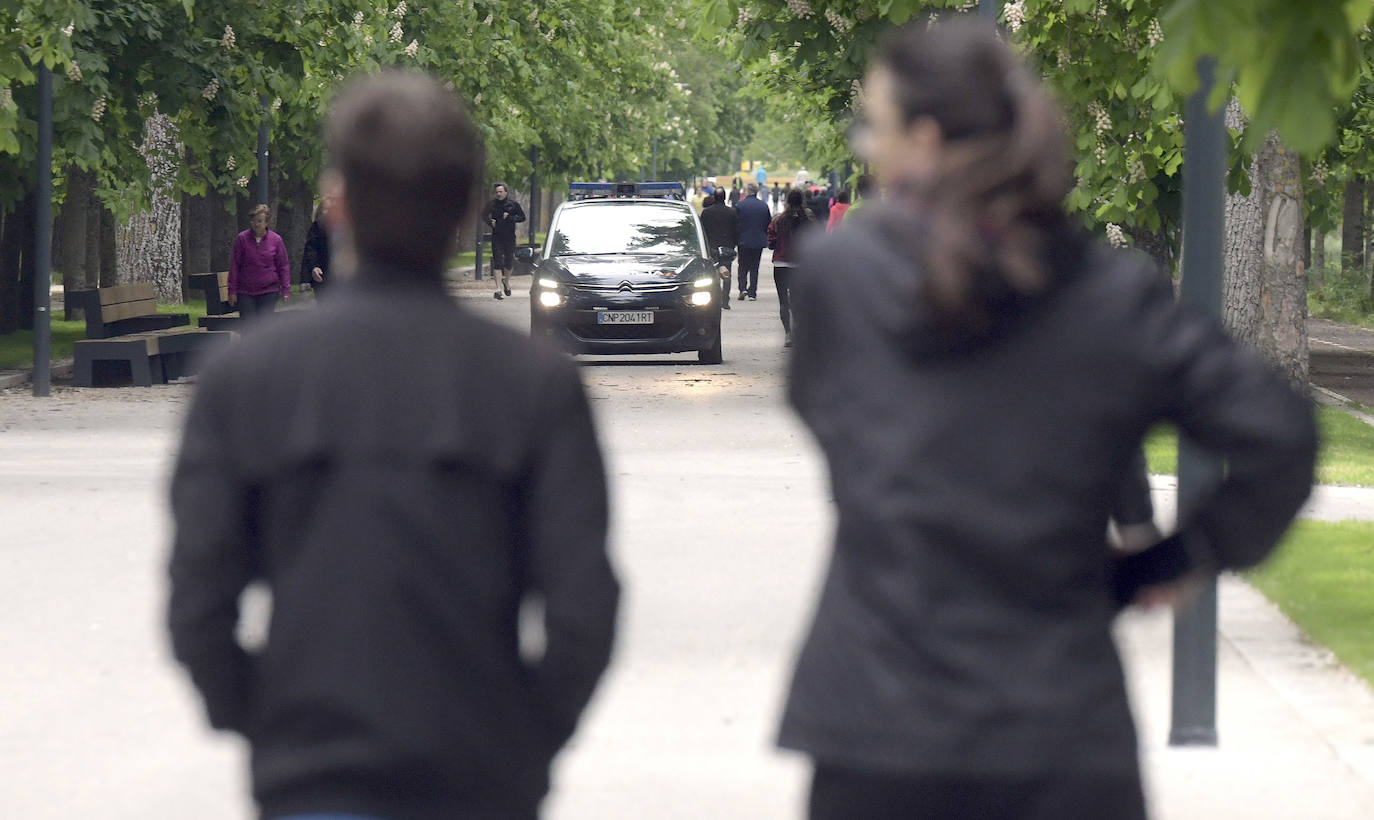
(617,268)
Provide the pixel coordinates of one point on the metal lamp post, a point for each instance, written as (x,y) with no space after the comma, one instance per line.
(42,251)
(1194,712)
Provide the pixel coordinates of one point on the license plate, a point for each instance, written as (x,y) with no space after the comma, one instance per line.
(625,317)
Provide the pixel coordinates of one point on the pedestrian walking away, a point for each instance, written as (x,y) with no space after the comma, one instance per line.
(503,214)
(259,271)
(720,223)
(837,211)
(754,217)
(403,484)
(981,393)
(785,233)
(315,256)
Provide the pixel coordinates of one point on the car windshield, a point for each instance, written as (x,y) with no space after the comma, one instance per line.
(628,227)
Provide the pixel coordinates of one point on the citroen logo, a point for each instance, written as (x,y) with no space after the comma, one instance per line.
(626,286)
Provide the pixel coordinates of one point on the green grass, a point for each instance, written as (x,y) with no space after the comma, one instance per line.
(1346,457)
(1344,296)
(16,349)
(468,258)
(1321,577)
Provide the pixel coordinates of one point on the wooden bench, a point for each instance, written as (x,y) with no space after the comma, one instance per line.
(122,310)
(219,314)
(150,358)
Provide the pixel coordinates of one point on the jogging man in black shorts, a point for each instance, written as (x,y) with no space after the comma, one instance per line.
(503,214)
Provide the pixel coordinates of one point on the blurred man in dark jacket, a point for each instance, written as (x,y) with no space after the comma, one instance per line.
(403,484)
(754,217)
(720,222)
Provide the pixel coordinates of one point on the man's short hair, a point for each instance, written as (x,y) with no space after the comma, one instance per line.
(864,184)
(719,196)
(753,189)
(410,157)
(499,185)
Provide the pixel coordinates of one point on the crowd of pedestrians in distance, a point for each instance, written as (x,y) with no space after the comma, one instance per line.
(978,372)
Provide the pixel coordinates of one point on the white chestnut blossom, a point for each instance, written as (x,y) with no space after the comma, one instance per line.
(1155,35)
(1015,14)
(487,21)
(1102,123)
(1115,236)
(800,9)
(357,21)
(412,48)
(212,90)
(230,164)
(227,41)
(1319,172)
(69,28)
(74,72)
(400,10)
(839,21)
(1137,172)
(396,34)
(276,104)
(242,182)
(6,97)
(745,16)
(98,110)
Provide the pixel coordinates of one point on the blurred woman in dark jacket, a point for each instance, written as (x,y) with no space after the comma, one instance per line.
(784,233)
(980,376)
(315,257)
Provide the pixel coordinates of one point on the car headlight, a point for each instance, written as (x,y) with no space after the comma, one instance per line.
(548,283)
(550,299)
(705,282)
(701,297)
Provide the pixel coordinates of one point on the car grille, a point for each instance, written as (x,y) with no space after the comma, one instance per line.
(626,287)
(659,330)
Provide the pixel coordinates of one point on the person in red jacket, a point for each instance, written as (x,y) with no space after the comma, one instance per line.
(837,211)
(259,272)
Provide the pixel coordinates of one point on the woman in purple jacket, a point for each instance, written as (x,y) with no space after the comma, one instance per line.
(259,272)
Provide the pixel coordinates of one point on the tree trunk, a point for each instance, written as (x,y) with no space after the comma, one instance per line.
(1352,226)
(292,217)
(1265,290)
(1158,244)
(222,231)
(11,248)
(93,219)
(1318,270)
(109,249)
(70,233)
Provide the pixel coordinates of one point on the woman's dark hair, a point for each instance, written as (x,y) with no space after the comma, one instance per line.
(842,197)
(794,199)
(794,214)
(986,220)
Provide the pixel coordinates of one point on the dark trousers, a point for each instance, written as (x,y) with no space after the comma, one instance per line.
(782,278)
(254,307)
(841,794)
(749,270)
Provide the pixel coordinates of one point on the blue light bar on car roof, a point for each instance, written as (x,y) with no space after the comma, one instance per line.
(587,190)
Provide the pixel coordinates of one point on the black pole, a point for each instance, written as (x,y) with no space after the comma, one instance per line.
(262,152)
(990,8)
(42,250)
(655,174)
(1194,716)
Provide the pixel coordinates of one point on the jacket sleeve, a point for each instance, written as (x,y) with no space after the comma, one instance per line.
(734,228)
(773,235)
(1230,403)
(235,265)
(565,556)
(517,213)
(212,557)
(283,266)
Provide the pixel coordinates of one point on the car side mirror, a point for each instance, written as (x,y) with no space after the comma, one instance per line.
(525,253)
(725,254)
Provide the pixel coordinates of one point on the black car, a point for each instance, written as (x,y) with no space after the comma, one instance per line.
(626,275)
